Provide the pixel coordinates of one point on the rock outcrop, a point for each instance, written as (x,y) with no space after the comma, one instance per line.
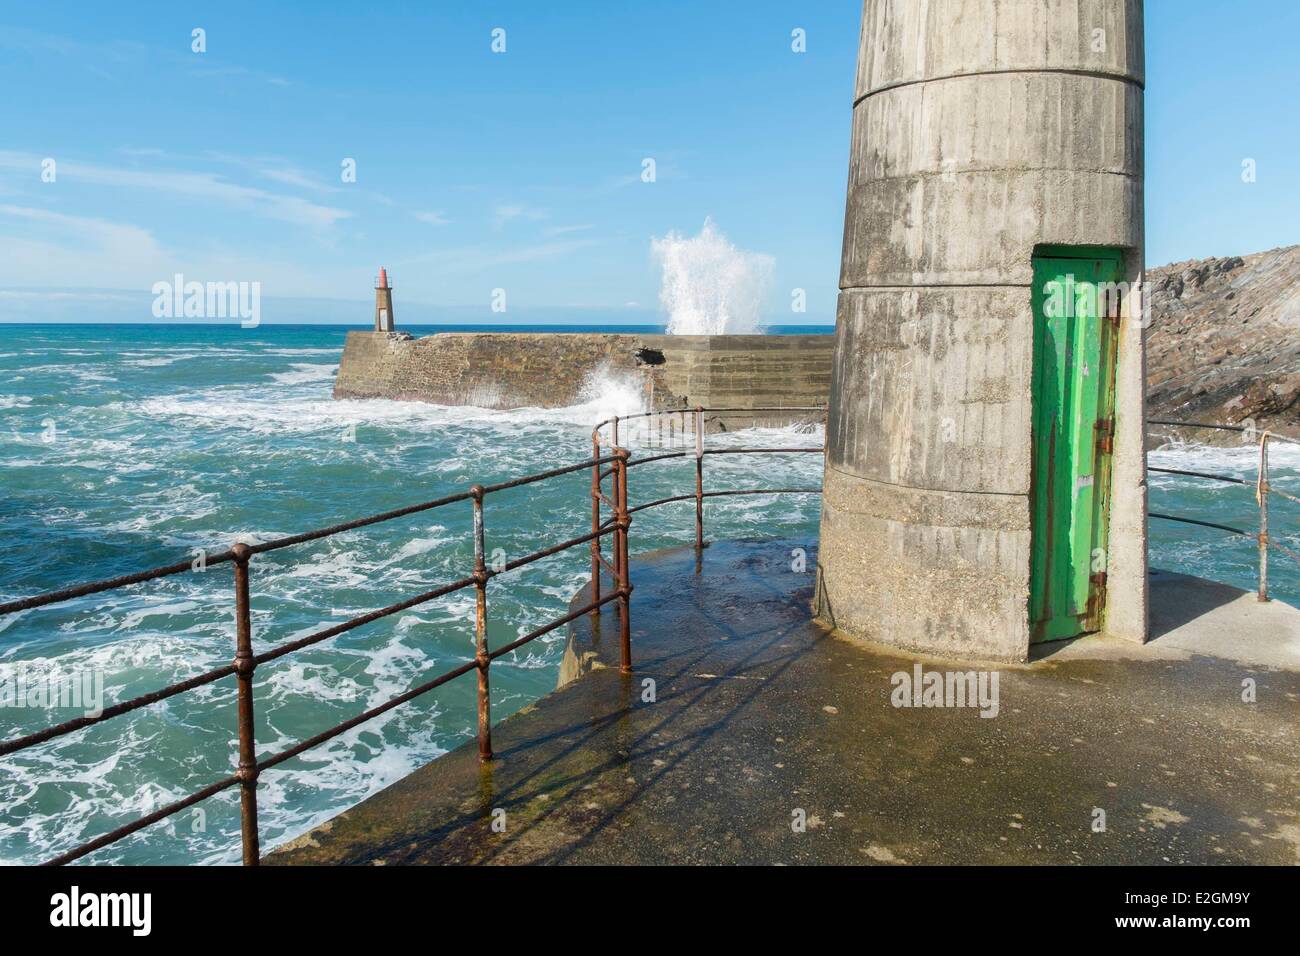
(1224,340)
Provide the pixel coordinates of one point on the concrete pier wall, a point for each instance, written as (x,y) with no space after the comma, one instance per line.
(982,130)
(552,370)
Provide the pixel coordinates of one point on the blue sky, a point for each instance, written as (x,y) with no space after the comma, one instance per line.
(522,170)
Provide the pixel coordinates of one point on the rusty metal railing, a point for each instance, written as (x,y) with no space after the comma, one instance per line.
(1263,489)
(246,661)
(698,452)
(614,464)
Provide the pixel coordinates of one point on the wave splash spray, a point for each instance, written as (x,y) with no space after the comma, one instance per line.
(710,287)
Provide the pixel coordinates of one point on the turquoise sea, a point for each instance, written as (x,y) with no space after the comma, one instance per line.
(123,447)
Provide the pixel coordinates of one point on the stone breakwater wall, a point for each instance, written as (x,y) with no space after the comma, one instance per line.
(552,370)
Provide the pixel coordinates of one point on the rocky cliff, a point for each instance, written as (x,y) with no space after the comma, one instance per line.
(1224,340)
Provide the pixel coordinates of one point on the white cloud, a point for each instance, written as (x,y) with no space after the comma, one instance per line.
(432,218)
(57,249)
(508,212)
(203,69)
(201,186)
(567,230)
(48,249)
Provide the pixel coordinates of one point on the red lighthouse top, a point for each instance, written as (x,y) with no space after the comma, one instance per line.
(383,278)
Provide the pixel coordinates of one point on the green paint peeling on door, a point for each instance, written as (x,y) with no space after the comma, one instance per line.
(1076,310)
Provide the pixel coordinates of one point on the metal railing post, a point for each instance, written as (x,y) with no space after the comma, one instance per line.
(481,657)
(1261,495)
(244,666)
(622,522)
(699,477)
(595,520)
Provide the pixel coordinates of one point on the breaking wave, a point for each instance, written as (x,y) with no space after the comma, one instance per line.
(709,287)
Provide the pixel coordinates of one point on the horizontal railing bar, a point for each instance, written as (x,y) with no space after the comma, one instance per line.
(117,710)
(723,494)
(553,473)
(595,432)
(547,552)
(661,457)
(1295,555)
(1272,435)
(1204,524)
(1279,491)
(764,491)
(278,543)
(1226,428)
(690,410)
(769,408)
(559,622)
(114,835)
(94,587)
(623,418)
(333,732)
(755,451)
(353,623)
(1200,474)
(661,501)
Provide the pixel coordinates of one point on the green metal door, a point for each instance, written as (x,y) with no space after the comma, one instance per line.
(1076,309)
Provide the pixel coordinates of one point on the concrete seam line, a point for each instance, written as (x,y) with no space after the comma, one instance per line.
(933,491)
(1095,74)
(967,171)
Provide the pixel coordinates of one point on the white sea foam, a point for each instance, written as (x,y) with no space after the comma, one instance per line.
(1238,461)
(303,372)
(270,412)
(417,546)
(157,362)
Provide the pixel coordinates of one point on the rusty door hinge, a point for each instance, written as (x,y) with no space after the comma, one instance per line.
(1105,432)
(1096,601)
(1114,307)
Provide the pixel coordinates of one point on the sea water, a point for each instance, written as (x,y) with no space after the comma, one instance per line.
(127,447)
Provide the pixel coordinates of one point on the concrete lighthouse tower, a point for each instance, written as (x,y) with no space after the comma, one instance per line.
(383,303)
(985,479)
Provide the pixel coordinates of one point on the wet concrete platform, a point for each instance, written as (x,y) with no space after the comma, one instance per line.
(769,740)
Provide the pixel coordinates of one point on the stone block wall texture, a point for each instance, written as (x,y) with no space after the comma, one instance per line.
(553,370)
(982,130)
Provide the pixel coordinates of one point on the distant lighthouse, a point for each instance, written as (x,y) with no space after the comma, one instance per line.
(383,303)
